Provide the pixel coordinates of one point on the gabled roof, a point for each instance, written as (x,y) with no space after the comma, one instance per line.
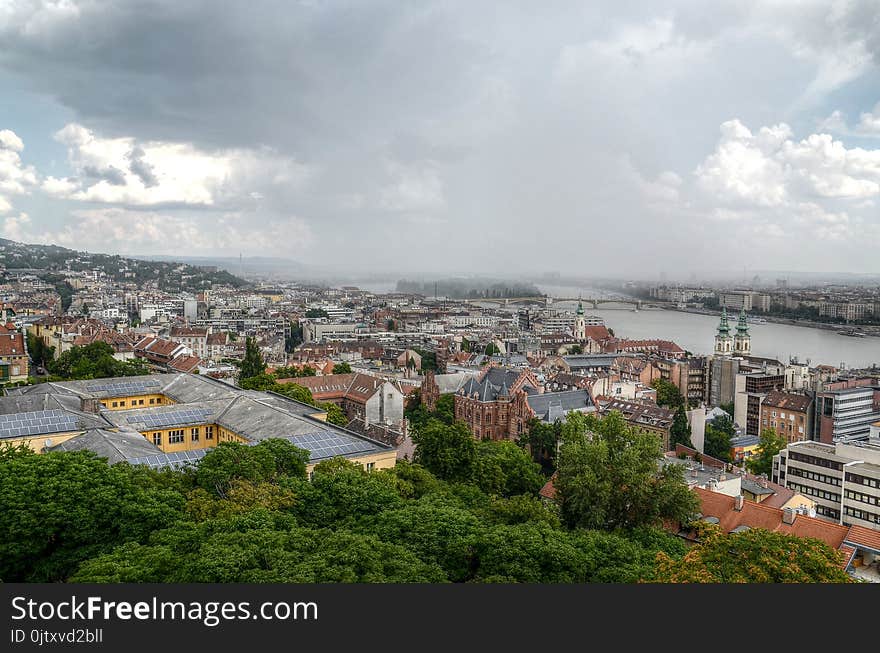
(115,446)
(550,406)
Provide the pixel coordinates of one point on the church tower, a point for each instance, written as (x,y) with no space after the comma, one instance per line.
(742,341)
(723,339)
(580,323)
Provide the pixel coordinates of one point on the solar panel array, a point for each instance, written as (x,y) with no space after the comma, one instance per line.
(176,459)
(171,416)
(36,422)
(326,444)
(121,388)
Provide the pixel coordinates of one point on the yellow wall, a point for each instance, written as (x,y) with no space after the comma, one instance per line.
(143,401)
(188,444)
(381,460)
(37,442)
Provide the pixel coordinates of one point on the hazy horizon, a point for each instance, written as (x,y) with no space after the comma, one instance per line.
(635,140)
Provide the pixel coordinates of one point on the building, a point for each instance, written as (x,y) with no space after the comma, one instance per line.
(723,373)
(790,415)
(723,338)
(370,399)
(742,342)
(14,357)
(643,415)
(736,299)
(434,385)
(195,338)
(179,416)
(843,479)
(754,389)
(846,415)
(494,404)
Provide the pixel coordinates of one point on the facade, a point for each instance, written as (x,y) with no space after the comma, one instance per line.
(723,339)
(195,338)
(180,416)
(790,415)
(14,358)
(723,372)
(742,342)
(846,415)
(843,479)
(757,386)
(643,415)
(370,399)
(494,404)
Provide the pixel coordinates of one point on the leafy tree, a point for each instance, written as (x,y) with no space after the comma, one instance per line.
(680,433)
(503,468)
(770,444)
(253,363)
(465,345)
(60,508)
(448,451)
(264,462)
(575,350)
(492,349)
(445,408)
(39,352)
(753,556)
(668,394)
(94,361)
(316,313)
(717,438)
(608,476)
(334,413)
(728,408)
(294,372)
(342,368)
(542,440)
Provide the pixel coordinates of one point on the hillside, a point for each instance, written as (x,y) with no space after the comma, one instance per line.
(52,260)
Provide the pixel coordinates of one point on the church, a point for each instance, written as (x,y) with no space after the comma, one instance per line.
(729,344)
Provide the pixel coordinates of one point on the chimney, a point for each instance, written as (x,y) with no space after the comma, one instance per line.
(788,516)
(90,405)
(738,503)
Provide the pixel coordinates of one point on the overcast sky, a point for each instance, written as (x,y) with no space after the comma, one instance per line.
(613,137)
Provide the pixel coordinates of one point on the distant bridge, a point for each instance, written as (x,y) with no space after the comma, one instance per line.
(627,303)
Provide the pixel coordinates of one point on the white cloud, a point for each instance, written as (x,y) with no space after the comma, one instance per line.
(413,188)
(869,122)
(147,232)
(126,172)
(15,178)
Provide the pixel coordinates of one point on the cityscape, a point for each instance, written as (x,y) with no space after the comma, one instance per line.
(360,293)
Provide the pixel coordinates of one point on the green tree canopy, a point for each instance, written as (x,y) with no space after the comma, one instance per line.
(609,476)
(771,443)
(253,363)
(266,461)
(753,556)
(680,433)
(342,368)
(717,438)
(94,361)
(668,394)
(446,450)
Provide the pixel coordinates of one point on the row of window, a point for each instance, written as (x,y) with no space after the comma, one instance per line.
(864,498)
(814,476)
(862,514)
(813,460)
(177,435)
(827,512)
(862,480)
(134,403)
(814,492)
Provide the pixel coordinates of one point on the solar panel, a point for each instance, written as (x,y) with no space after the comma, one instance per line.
(124,387)
(170,416)
(36,422)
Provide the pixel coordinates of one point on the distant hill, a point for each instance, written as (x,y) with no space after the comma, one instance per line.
(49,261)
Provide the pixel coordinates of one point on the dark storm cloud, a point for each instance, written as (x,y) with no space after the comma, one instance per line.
(533,127)
(141,168)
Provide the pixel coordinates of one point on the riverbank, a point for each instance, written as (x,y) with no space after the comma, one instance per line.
(775,319)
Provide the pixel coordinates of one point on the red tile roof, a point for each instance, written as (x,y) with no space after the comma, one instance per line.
(864,537)
(12,344)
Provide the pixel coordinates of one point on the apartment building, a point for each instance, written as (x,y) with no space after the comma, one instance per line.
(846,415)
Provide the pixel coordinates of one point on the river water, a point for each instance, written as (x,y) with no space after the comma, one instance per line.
(696,333)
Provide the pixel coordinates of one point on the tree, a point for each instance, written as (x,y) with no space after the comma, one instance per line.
(608,476)
(253,363)
(503,468)
(718,433)
(770,444)
(680,433)
(728,408)
(668,394)
(575,350)
(492,349)
(316,313)
(342,368)
(264,462)
(94,361)
(334,413)
(542,440)
(753,556)
(60,508)
(446,450)
(445,408)
(40,353)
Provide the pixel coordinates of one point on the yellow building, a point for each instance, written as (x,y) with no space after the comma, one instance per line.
(180,417)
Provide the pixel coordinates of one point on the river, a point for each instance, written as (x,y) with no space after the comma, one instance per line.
(696,333)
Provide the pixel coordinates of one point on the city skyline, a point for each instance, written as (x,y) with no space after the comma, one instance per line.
(639,138)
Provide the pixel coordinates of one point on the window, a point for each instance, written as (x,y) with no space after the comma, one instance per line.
(16,370)
(175,436)
(157,439)
(122,403)
(140,402)
(194,434)
(115,404)
(209,432)
(152,400)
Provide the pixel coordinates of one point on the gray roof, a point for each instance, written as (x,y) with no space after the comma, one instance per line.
(582,361)
(551,406)
(495,383)
(39,422)
(755,488)
(452,382)
(114,446)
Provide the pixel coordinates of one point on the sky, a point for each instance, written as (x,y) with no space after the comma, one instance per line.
(614,138)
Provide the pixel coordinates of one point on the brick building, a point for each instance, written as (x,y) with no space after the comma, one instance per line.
(494,404)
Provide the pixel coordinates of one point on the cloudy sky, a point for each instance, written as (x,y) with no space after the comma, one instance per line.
(613,137)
